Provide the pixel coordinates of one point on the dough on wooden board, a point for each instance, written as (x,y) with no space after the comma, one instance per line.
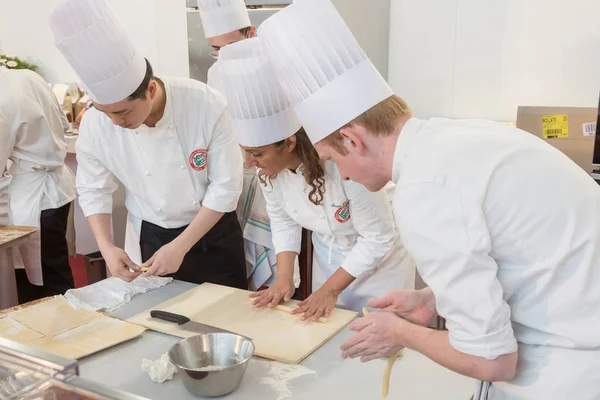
(53,317)
(86,339)
(17,332)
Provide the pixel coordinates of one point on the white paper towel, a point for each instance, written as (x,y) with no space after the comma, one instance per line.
(159,370)
(111,293)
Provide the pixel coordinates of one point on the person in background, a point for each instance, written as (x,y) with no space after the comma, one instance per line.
(168,140)
(505,229)
(42,189)
(226,22)
(357,253)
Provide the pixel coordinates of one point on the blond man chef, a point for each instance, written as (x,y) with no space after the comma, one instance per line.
(505,229)
(168,140)
(32,136)
(226,22)
(357,253)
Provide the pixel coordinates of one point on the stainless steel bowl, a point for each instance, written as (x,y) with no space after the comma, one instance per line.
(212,364)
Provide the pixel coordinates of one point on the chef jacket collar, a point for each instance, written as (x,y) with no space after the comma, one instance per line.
(405,139)
(167,118)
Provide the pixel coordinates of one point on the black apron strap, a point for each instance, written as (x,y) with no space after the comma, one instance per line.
(216,258)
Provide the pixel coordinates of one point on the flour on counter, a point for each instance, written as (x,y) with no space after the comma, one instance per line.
(280,374)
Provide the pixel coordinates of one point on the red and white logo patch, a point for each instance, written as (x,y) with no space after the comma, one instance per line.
(198,159)
(342,213)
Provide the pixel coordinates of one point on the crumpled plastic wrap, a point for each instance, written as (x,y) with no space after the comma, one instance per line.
(159,370)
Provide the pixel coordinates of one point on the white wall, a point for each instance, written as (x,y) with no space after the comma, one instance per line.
(370,23)
(157,27)
(483,58)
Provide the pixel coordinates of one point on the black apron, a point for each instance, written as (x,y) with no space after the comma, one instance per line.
(56,270)
(216,258)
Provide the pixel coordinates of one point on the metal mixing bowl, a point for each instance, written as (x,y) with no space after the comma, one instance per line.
(212,364)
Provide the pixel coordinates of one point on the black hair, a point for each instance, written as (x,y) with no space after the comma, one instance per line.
(140,92)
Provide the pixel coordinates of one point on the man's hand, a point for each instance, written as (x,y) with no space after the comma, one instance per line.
(119,263)
(416,306)
(378,336)
(165,261)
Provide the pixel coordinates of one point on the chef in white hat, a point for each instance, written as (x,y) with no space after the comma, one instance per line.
(169,141)
(224,22)
(357,254)
(32,136)
(504,228)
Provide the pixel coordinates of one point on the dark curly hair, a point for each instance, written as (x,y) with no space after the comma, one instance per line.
(313,171)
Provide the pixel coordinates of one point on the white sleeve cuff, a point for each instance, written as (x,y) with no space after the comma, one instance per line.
(292,245)
(97,206)
(489,346)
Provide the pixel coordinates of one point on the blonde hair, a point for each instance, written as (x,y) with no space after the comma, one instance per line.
(379,120)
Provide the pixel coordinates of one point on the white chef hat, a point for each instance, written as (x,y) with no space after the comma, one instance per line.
(322,69)
(261,113)
(90,37)
(223,16)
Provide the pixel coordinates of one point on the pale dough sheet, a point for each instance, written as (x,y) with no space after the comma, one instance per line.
(17,332)
(87,339)
(53,326)
(53,317)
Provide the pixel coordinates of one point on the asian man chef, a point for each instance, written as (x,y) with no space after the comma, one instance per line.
(169,141)
(357,254)
(226,22)
(504,228)
(32,136)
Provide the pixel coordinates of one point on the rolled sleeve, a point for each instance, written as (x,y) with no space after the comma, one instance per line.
(447,234)
(95,183)
(225,171)
(285,232)
(372,217)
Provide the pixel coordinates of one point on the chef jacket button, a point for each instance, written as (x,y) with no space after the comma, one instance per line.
(322,216)
(182,166)
(147,172)
(195,202)
(171,127)
(294,211)
(159,209)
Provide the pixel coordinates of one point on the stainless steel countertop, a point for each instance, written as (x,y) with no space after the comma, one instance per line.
(414,376)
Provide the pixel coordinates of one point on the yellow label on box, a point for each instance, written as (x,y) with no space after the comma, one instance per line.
(555,126)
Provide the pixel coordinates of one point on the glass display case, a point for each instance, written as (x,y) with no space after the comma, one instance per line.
(30,374)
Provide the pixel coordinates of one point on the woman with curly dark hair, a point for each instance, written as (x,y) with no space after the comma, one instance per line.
(357,253)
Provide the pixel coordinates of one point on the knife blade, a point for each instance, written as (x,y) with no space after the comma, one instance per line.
(188,324)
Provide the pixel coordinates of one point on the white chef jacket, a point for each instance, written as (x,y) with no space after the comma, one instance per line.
(352,228)
(32,133)
(32,128)
(190,159)
(505,229)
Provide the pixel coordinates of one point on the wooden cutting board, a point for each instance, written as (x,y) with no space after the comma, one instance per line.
(277,335)
(50,324)
(9,233)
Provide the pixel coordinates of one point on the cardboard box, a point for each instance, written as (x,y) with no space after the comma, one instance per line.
(566,128)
